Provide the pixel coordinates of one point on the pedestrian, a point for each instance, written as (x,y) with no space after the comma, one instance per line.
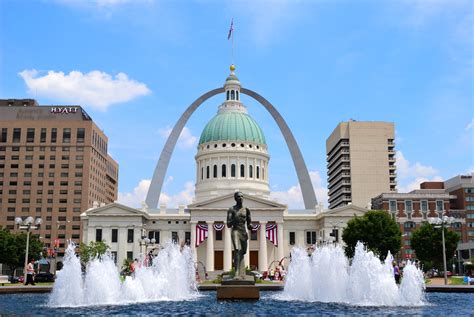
(396,272)
(30,271)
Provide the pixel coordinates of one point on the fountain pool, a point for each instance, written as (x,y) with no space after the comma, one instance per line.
(206,304)
(324,283)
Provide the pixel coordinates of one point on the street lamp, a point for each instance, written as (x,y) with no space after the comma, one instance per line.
(335,230)
(145,241)
(441,223)
(28,224)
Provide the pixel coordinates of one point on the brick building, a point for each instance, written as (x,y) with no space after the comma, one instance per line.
(411,209)
(54,165)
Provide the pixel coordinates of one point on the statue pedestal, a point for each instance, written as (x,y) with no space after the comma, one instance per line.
(240,289)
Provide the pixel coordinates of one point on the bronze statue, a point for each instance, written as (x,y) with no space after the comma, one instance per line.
(237,217)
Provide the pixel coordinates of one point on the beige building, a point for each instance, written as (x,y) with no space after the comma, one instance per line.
(54,165)
(360,162)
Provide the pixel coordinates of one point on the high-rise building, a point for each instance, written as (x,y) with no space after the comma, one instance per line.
(54,165)
(462,186)
(360,162)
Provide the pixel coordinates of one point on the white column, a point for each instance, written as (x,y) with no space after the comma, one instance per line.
(227,249)
(122,246)
(210,246)
(281,244)
(193,240)
(262,252)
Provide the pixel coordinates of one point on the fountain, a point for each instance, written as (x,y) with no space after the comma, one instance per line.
(327,276)
(325,283)
(170,277)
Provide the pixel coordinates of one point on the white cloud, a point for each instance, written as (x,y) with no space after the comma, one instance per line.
(470,125)
(186,139)
(95,89)
(184,197)
(138,195)
(293,197)
(410,176)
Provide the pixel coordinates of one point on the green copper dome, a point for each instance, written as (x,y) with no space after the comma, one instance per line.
(232,126)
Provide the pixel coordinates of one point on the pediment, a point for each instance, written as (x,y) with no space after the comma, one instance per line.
(346,211)
(115,209)
(226,201)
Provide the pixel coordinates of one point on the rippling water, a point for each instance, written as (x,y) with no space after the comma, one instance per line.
(445,304)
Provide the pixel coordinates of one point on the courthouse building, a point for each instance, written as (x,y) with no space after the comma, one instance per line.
(54,165)
(232,155)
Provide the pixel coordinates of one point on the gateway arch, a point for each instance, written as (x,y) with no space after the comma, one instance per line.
(153,195)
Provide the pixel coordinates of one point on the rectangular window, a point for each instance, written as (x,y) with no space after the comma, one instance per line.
(30,135)
(3,136)
(16,135)
(154,235)
(292,238)
(114,235)
(187,237)
(424,206)
(54,135)
(98,234)
(408,206)
(439,205)
(310,237)
(254,235)
(174,237)
(43,135)
(114,256)
(130,236)
(219,235)
(80,135)
(130,255)
(392,205)
(469,190)
(66,135)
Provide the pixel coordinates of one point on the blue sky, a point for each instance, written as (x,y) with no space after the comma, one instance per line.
(136,65)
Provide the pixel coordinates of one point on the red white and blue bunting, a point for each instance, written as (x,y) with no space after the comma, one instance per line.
(201,233)
(255,226)
(219,226)
(272,233)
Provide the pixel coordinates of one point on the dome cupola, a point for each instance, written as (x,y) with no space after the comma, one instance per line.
(232,151)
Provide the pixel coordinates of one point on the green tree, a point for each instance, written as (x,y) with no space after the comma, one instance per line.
(13,247)
(428,245)
(377,230)
(95,249)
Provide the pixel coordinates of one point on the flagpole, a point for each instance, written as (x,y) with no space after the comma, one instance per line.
(232,57)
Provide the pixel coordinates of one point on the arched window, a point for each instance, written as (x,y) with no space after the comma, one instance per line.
(214,171)
(228,92)
(232,95)
(236,95)
(242,170)
(258,172)
(250,171)
(224,170)
(207,171)
(232,170)
(202,172)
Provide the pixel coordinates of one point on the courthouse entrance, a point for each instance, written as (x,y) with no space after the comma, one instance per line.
(253,260)
(218,260)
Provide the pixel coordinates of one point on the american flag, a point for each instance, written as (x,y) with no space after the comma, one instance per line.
(201,233)
(255,226)
(272,233)
(231,29)
(219,226)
